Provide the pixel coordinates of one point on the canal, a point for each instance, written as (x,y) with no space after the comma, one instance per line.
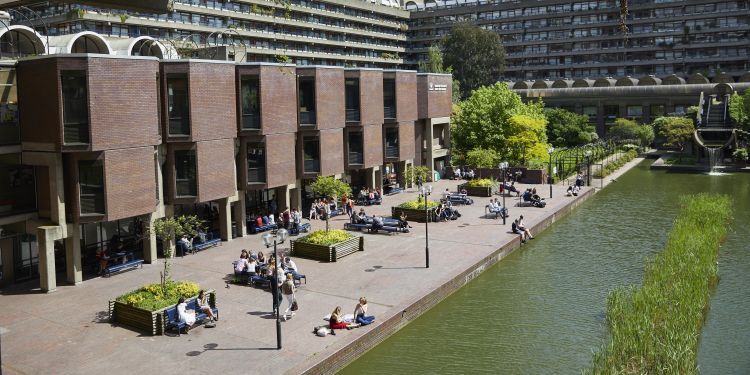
(541,309)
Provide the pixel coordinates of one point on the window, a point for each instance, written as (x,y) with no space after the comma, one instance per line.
(389,98)
(184,165)
(75,107)
(391,142)
(311,150)
(352,99)
(250,96)
(178,107)
(307,101)
(356,149)
(91,182)
(635,111)
(656,110)
(256,162)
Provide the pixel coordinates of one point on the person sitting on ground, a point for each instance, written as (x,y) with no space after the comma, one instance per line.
(515,230)
(289,265)
(569,192)
(360,313)
(576,190)
(204,306)
(261,257)
(402,223)
(337,321)
(579,179)
(527,195)
(377,223)
(186,316)
(522,227)
(534,196)
(241,265)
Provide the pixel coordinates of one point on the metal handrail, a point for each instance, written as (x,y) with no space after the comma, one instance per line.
(699,115)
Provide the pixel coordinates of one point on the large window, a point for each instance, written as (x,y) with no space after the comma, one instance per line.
(91,180)
(184,165)
(356,149)
(391,142)
(389,98)
(311,151)
(178,108)
(250,96)
(307,101)
(75,107)
(256,162)
(352,99)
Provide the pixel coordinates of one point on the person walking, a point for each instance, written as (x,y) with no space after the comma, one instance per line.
(288,289)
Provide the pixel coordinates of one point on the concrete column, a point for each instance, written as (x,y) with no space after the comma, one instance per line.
(295,195)
(46,236)
(429,157)
(149,242)
(239,215)
(225,219)
(370,178)
(74,274)
(378,176)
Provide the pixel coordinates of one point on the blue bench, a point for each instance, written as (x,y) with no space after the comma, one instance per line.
(133,264)
(303,227)
(394,191)
(172,319)
(368,227)
(460,199)
(260,280)
(254,228)
(212,239)
(497,214)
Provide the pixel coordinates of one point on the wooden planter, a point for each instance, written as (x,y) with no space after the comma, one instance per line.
(329,253)
(144,320)
(478,191)
(417,215)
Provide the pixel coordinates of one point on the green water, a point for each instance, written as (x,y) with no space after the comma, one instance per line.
(541,309)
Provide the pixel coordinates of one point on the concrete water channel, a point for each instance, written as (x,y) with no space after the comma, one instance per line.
(541,309)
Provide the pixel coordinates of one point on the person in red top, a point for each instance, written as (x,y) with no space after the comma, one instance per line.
(259,222)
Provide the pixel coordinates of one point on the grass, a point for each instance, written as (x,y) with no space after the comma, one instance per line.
(326,238)
(152,298)
(614,165)
(655,327)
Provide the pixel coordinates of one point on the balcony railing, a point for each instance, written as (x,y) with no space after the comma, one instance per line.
(307,118)
(312,166)
(352,115)
(91,203)
(76,133)
(186,188)
(251,121)
(389,112)
(256,175)
(179,126)
(391,151)
(356,158)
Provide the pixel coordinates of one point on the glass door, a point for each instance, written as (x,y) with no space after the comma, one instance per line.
(26,257)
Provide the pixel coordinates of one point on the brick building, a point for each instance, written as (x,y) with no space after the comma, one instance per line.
(124,140)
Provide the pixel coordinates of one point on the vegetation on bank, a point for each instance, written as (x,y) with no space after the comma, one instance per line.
(614,165)
(417,204)
(157,296)
(326,238)
(655,327)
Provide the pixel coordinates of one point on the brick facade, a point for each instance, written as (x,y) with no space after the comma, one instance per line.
(277,99)
(433,100)
(130,185)
(370,96)
(406,96)
(331,152)
(213,111)
(329,98)
(215,169)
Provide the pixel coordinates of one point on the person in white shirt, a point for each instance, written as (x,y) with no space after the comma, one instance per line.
(289,265)
(446,193)
(186,316)
(271,220)
(457,173)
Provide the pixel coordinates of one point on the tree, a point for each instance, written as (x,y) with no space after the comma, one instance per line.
(676,131)
(434,63)
(484,121)
(414,173)
(568,129)
(482,158)
(476,56)
(170,228)
(330,187)
(739,109)
(629,131)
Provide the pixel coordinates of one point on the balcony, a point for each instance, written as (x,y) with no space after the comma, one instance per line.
(251,121)
(391,151)
(179,126)
(186,188)
(352,115)
(76,133)
(356,158)
(256,175)
(307,118)
(389,112)
(312,166)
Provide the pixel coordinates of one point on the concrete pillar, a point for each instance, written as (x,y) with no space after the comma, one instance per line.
(295,195)
(378,176)
(283,197)
(46,236)
(429,157)
(149,242)
(74,274)
(239,215)
(225,219)
(370,178)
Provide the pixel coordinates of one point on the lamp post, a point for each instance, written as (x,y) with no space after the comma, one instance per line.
(281,236)
(504,166)
(588,167)
(426,191)
(550,150)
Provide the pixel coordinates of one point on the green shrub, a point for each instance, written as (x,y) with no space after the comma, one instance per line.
(480,182)
(655,328)
(616,164)
(417,204)
(326,238)
(152,297)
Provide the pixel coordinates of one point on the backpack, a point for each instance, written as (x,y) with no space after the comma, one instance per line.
(287,287)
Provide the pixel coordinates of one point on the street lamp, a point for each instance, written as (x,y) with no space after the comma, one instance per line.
(588,167)
(426,191)
(550,150)
(281,236)
(504,166)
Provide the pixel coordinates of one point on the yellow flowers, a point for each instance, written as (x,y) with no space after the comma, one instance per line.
(152,297)
(321,237)
(480,182)
(417,204)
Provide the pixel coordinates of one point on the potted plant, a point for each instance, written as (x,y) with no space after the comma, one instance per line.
(480,187)
(415,210)
(327,245)
(740,157)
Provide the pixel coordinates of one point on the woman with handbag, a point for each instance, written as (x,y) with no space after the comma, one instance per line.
(288,289)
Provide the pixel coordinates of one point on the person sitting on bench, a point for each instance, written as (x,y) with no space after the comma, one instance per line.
(512,189)
(361,217)
(204,306)
(377,223)
(241,265)
(402,223)
(186,316)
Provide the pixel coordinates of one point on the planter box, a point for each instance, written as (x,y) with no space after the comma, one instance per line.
(478,191)
(144,320)
(414,215)
(329,253)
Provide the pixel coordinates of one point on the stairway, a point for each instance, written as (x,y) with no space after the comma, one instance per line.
(716,113)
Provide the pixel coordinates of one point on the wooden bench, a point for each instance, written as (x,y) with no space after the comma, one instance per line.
(172,319)
(115,268)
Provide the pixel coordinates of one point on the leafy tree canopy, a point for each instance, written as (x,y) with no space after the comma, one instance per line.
(482,158)
(676,131)
(568,129)
(629,131)
(476,56)
(739,109)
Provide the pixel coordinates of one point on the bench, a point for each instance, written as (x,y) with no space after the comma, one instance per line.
(254,228)
(460,199)
(530,203)
(297,276)
(212,239)
(394,191)
(133,264)
(303,227)
(368,227)
(261,280)
(172,319)
(488,213)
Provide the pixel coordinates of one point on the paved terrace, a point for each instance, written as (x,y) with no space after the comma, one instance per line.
(67,332)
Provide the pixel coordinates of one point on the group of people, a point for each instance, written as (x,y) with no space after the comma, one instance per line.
(287,219)
(467,174)
(530,195)
(496,208)
(369,196)
(337,321)
(322,208)
(377,222)
(573,190)
(252,265)
(520,228)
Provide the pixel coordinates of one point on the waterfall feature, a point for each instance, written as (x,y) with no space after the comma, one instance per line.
(714,158)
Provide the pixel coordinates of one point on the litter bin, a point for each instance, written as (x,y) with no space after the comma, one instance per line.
(436,176)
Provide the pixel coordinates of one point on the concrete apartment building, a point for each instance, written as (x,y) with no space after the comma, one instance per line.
(124,140)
